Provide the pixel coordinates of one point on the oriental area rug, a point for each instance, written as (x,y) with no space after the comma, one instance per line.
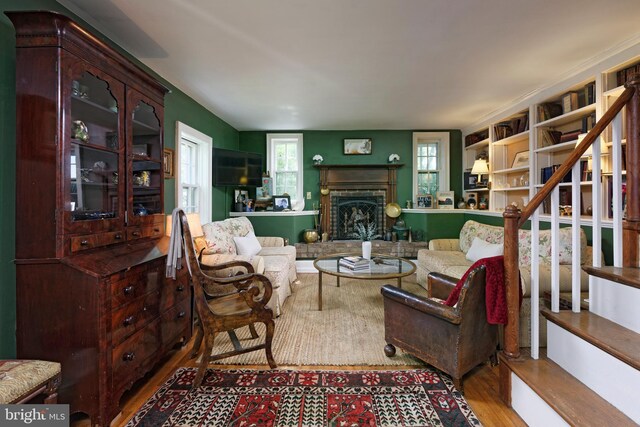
(348,331)
(420,397)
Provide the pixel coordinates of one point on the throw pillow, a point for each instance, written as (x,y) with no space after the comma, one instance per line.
(481,249)
(247,245)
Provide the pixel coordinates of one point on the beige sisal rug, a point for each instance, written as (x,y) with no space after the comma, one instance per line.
(349,330)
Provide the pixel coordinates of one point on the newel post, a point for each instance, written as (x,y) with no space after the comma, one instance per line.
(631,225)
(512,282)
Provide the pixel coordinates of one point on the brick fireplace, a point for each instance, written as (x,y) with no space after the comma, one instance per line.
(352,194)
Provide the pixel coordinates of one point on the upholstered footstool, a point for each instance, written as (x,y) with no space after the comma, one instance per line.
(286,251)
(22,380)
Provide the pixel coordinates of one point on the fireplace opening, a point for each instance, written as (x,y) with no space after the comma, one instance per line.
(350,209)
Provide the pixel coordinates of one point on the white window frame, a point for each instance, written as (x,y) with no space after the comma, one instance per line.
(272,138)
(443,139)
(204,145)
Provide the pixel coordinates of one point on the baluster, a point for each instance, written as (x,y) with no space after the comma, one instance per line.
(616,157)
(555,270)
(535,284)
(576,253)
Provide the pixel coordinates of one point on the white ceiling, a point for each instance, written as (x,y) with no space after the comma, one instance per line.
(362,64)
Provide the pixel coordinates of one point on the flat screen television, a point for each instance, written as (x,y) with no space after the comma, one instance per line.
(233,168)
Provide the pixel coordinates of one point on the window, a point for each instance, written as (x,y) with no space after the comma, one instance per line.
(284,161)
(193,176)
(430,162)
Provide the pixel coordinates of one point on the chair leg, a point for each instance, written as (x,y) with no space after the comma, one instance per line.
(208,348)
(254,333)
(267,343)
(197,342)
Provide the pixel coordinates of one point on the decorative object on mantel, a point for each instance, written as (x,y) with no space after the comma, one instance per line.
(324,191)
(317,159)
(394,158)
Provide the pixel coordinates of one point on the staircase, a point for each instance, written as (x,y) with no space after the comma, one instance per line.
(590,374)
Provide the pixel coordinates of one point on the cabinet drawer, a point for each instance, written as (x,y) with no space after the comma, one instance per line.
(135,284)
(81,243)
(156,230)
(132,317)
(134,233)
(132,353)
(174,291)
(175,322)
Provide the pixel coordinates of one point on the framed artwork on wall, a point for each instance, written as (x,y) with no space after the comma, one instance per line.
(167,162)
(357,146)
(445,200)
(424,201)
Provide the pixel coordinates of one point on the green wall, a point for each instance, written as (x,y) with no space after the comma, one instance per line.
(178,107)
(329,144)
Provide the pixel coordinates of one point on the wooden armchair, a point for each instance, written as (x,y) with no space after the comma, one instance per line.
(237,301)
(452,339)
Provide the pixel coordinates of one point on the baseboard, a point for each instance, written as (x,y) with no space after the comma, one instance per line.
(305,266)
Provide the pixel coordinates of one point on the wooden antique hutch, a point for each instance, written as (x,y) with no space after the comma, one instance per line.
(90,245)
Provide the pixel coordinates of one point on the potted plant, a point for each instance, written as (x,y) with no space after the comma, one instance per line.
(366,233)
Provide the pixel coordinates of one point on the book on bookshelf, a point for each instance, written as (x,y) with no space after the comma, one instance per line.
(549,110)
(569,102)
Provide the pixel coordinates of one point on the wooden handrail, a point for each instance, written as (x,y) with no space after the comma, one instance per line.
(575,156)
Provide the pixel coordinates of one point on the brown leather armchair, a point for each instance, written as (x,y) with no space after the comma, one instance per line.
(452,339)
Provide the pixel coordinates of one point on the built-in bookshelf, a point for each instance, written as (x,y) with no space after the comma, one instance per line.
(526,145)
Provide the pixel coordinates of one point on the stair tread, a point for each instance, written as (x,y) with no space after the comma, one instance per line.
(576,403)
(618,341)
(629,276)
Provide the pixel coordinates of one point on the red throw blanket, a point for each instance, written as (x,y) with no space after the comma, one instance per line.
(495,292)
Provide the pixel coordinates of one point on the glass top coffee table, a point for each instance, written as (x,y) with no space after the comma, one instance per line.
(381,267)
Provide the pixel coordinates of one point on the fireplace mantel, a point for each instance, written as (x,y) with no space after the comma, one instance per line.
(357,177)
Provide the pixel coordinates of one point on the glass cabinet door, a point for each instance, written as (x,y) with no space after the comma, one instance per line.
(95,152)
(145,155)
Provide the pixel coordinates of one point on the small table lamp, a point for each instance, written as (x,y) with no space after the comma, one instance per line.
(480,167)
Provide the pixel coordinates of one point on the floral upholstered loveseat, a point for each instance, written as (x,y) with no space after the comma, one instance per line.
(273,259)
(448,256)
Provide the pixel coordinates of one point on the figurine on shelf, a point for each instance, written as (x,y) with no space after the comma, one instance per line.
(79,131)
(483,204)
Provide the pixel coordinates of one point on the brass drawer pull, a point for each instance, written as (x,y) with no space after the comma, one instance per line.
(181,314)
(118,236)
(84,243)
(180,288)
(128,290)
(136,234)
(156,230)
(129,320)
(128,357)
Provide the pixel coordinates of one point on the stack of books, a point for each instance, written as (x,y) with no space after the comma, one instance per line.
(355,264)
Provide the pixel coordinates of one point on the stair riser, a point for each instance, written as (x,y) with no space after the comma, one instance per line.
(616,302)
(531,407)
(612,379)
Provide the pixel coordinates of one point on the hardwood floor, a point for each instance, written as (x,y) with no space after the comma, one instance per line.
(481,389)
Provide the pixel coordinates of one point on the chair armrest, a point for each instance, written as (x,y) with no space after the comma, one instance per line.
(441,285)
(223,265)
(423,305)
(246,286)
(444,245)
(270,241)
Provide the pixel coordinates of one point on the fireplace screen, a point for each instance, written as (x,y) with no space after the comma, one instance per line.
(349,211)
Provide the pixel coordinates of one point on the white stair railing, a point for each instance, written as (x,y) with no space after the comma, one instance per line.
(597,215)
